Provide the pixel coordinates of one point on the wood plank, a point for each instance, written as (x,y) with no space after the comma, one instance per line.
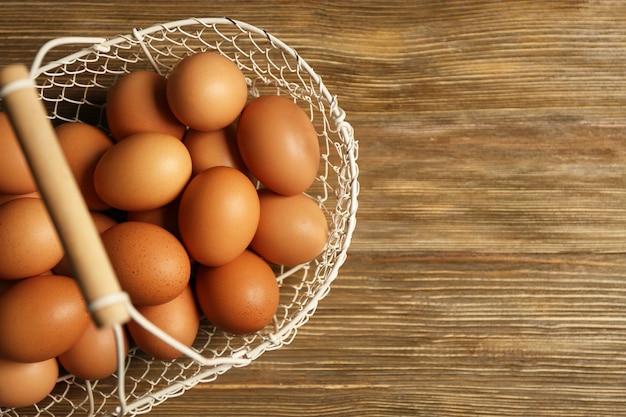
(486,272)
(540,188)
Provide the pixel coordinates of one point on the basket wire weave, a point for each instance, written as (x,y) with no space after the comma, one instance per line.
(74,87)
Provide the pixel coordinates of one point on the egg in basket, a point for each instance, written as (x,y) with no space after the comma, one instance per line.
(220,205)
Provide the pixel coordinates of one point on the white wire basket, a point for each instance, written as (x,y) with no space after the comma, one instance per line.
(73,86)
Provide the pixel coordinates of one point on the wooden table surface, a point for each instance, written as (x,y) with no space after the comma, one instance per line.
(487,273)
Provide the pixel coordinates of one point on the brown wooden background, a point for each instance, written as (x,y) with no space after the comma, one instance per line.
(487,274)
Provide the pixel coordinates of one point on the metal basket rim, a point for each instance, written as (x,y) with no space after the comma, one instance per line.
(344,130)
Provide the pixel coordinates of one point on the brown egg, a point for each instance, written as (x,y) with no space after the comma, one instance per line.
(8,197)
(29,243)
(279,144)
(136,103)
(83,145)
(102,222)
(25,384)
(41,317)
(218,215)
(206,91)
(152,266)
(15,175)
(165,216)
(179,318)
(94,355)
(240,297)
(216,148)
(142,172)
(292,229)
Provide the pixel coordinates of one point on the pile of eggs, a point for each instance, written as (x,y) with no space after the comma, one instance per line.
(197,192)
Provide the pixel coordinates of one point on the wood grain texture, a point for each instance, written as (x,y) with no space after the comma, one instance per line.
(487,272)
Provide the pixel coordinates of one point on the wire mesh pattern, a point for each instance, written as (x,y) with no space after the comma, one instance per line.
(73,86)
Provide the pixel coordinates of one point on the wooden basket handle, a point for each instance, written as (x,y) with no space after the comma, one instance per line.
(60,192)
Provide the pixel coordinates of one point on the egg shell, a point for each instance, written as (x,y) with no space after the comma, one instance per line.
(25,384)
(15,175)
(218,215)
(83,145)
(94,355)
(240,297)
(29,243)
(206,91)
(292,229)
(8,197)
(41,317)
(142,172)
(137,103)
(102,223)
(216,148)
(279,144)
(152,266)
(179,318)
(165,216)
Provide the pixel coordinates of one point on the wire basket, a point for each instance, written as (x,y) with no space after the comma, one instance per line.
(73,87)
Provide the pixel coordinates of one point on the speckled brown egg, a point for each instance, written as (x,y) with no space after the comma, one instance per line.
(137,103)
(240,297)
(152,266)
(179,318)
(41,317)
(29,243)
